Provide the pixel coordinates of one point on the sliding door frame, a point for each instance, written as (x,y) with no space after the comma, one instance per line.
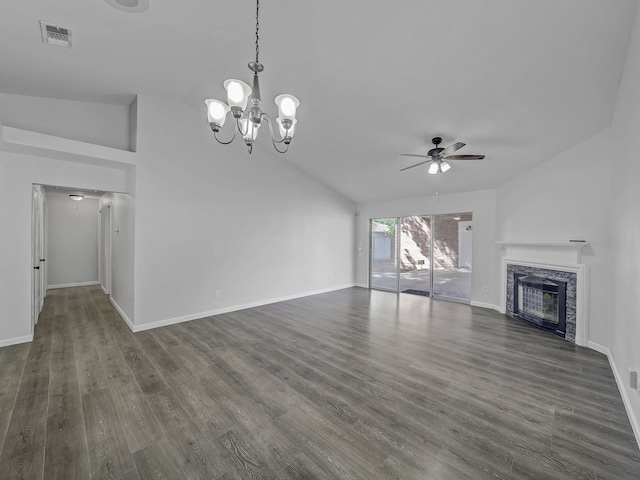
(398,237)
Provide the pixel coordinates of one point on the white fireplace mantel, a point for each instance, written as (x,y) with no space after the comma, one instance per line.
(539,251)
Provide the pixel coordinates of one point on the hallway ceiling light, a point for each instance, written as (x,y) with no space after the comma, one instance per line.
(130,6)
(249,121)
(76,198)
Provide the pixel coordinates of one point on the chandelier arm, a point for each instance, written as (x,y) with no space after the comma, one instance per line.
(275,142)
(215,134)
(275,145)
(267,120)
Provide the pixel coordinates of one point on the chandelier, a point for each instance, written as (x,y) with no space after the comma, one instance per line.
(248,120)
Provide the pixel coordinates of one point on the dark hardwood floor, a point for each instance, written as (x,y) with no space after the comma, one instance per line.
(354,384)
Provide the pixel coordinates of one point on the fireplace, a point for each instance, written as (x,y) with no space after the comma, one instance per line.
(541,301)
(543,296)
(546,283)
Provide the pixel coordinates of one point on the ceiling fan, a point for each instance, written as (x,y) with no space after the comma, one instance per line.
(438,155)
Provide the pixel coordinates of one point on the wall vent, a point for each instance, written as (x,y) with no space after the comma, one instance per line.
(55,35)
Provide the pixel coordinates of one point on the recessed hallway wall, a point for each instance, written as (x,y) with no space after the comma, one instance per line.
(72,241)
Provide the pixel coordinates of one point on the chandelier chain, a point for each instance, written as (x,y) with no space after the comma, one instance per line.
(257,30)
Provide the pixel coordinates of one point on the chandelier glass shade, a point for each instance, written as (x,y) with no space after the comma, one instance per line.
(244,103)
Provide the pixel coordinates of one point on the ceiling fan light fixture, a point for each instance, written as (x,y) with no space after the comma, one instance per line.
(436,157)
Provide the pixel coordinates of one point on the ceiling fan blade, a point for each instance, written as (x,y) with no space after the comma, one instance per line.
(464,157)
(452,148)
(415,155)
(417,164)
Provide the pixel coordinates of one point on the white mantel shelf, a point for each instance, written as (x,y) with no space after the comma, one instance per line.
(534,243)
(544,251)
(548,252)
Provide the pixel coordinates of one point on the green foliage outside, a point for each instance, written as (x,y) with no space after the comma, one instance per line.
(389,222)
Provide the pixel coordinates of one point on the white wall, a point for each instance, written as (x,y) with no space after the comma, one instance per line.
(206,217)
(567,198)
(18,173)
(624,213)
(593,190)
(96,123)
(480,203)
(211,217)
(72,248)
(122,251)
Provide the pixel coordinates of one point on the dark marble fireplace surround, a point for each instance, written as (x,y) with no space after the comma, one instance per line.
(554,275)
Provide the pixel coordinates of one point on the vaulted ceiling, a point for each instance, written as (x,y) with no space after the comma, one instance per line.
(516,80)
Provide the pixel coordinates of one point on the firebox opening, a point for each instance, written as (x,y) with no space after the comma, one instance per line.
(541,301)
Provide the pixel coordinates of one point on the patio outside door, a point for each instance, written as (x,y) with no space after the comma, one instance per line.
(427,255)
(383,271)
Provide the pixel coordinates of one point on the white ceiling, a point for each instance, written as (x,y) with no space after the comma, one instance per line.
(517,80)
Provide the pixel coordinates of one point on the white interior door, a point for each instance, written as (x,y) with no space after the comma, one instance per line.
(37,253)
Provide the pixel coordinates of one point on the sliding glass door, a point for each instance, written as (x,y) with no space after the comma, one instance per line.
(452,256)
(427,255)
(415,255)
(383,272)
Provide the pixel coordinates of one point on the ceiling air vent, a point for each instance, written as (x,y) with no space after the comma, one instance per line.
(55,35)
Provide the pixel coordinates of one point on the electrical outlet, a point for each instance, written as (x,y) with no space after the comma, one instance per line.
(485,289)
(218,293)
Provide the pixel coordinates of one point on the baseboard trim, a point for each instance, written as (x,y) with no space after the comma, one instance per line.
(122,314)
(68,285)
(600,349)
(16,340)
(490,306)
(361,285)
(234,308)
(635,425)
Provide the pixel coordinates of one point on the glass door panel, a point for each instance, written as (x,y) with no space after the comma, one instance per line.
(383,271)
(415,255)
(452,256)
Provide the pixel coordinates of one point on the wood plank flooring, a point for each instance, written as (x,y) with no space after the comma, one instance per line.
(353,384)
